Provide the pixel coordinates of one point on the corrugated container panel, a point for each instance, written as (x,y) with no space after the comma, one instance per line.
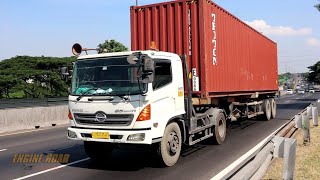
(228,56)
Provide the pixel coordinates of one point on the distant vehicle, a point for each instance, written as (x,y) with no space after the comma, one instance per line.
(312,91)
(301,91)
(316,90)
(289,91)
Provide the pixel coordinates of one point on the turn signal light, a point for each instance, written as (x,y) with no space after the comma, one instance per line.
(70,115)
(145,114)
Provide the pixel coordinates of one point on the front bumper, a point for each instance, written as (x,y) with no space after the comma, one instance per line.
(116,136)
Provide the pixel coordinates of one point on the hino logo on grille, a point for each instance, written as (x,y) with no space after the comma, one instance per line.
(101,117)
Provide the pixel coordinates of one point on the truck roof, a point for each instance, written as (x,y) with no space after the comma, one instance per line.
(150,52)
(105,55)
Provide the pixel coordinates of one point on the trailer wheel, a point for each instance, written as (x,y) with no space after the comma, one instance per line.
(273,108)
(220,129)
(98,151)
(169,148)
(266,108)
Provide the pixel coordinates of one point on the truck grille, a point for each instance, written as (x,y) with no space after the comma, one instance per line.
(112,119)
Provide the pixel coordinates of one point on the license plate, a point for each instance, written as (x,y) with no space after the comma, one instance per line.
(100,135)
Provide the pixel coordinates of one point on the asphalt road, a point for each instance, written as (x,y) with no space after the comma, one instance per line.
(202,161)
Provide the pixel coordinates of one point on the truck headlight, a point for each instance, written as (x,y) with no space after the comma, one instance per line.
(136,137)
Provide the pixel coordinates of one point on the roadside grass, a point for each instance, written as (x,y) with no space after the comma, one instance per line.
(307,159)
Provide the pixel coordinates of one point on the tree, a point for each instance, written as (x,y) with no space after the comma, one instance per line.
(314,74)
(7,82)
(35,77)
(112,46)
(317,6)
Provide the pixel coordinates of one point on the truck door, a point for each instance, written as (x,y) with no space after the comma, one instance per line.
(163,89)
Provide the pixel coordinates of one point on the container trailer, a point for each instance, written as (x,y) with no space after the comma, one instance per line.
(193,68)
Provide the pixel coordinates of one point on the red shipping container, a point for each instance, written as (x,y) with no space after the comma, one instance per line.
(225,55)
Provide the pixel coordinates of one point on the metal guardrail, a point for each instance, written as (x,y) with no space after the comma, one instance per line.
(255,163)
(23,103)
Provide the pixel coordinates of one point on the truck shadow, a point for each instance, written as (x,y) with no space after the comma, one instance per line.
(122,159)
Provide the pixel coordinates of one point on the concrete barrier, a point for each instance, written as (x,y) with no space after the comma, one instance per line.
(29,118)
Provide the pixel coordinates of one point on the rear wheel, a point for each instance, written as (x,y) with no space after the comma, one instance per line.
(266,108)
(98,151)
(169,148)
(220,129)
(273,108)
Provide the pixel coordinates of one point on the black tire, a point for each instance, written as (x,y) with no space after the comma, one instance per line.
(273,108)
(220,130)
(98,151)
(266,108)
(169,149)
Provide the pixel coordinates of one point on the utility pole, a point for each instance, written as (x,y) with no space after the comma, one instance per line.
(136,2)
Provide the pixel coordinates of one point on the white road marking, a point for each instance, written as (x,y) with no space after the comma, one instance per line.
(2,150)
(287,101)
(52,169)
(243,157)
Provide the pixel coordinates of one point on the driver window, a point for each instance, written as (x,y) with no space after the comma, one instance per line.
(163,75)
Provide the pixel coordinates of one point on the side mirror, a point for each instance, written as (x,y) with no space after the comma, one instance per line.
(64,71)
(76,49)
(147,65)
(132,59)
(147,78)
(147,69)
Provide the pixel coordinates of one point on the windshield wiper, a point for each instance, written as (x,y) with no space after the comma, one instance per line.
(84,93)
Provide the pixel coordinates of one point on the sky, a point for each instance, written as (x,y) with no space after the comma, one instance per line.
(50,27)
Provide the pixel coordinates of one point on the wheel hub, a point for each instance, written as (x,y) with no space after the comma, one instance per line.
(173,143)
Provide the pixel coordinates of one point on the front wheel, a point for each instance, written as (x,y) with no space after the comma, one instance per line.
(169,148)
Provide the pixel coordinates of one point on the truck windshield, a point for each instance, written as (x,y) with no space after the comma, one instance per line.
(105,76)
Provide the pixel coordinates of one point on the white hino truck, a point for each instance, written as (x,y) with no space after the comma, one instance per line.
(211,69)
(139,98)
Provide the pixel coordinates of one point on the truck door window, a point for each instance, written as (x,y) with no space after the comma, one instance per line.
(163,74)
